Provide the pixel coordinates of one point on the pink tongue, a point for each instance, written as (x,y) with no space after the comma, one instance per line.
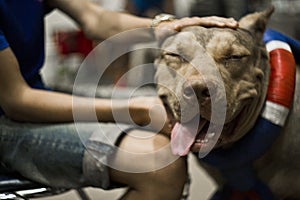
(182,138)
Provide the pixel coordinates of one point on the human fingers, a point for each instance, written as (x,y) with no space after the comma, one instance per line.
(159,116)
(165,29)
(150,112)
(204,21)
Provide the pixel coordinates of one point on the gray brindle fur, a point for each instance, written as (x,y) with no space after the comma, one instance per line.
(242,60)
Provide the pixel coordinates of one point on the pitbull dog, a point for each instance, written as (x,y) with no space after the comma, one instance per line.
(189,85)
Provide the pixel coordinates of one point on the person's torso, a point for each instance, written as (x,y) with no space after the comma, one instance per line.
(22,26)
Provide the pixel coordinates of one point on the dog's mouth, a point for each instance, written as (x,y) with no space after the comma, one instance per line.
(198,133)
(210,135)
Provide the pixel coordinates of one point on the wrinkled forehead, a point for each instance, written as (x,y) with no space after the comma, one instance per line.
(221,40)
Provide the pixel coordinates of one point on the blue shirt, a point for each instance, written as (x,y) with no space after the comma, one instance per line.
(143,5)
(22,29)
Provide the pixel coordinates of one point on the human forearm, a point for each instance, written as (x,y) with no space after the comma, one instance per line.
(47,106)
(99,23)
(42,106)
(104,23)
(23,103)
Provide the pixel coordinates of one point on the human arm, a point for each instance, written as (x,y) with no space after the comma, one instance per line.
(99,23)
(23,103)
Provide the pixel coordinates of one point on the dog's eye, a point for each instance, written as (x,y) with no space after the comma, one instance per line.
(175,56)
(173,60)
(234,57)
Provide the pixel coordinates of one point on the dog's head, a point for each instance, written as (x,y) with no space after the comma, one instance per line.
(200,67)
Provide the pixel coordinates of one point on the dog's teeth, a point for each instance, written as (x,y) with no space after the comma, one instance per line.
(210,135)
(204,141)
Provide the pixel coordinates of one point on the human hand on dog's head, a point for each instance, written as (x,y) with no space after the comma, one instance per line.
(167,28)
(210,21)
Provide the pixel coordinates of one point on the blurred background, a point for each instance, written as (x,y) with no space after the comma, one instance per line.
(67,47)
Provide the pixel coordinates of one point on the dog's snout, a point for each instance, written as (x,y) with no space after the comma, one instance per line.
(196,90)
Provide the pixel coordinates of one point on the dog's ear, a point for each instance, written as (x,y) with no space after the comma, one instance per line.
(257,22)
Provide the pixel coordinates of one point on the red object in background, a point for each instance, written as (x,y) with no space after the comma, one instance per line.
(73,42)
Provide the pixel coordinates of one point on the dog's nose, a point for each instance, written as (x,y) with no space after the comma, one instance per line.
(197,90)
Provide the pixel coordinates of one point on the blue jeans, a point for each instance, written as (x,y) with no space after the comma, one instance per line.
(54,154)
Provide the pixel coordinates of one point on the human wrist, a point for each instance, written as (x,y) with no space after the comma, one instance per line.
(163,17)
(158,19)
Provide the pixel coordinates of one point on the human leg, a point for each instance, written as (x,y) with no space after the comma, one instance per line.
(146,164)
(60,156)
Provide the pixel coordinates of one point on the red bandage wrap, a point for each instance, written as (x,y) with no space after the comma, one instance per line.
(282,77)
(282,82)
